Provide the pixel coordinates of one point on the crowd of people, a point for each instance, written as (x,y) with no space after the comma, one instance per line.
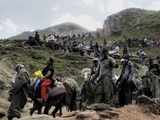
(66,43)
(103,88)
(100,86)
(143,42)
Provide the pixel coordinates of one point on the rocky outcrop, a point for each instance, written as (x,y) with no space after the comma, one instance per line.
(132,22)
(150,105)
(116,22)
(112,25)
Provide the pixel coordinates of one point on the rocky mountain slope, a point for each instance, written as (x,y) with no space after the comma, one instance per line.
(67,28)
(133,22)
(129,22)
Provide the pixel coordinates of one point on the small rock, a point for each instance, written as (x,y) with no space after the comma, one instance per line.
(87,115)
(144,100)
(37,117)
(69,114)
(151,105)
(108,114)
(99,107)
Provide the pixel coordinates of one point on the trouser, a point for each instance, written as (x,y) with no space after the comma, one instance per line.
(147,92)
(125,97)
(17,103)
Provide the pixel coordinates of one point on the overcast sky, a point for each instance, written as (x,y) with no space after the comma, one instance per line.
(17,16)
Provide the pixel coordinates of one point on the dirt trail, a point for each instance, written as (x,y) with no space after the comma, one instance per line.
(130,112)
(134,112)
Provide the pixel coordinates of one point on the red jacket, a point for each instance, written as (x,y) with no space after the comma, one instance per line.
(45,85)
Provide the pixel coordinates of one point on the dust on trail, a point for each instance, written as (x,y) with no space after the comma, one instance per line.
(135,112)
(130,112)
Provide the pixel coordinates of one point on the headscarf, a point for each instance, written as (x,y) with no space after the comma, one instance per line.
(19,67)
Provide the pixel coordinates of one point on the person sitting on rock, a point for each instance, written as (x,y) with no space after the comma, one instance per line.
(37,37)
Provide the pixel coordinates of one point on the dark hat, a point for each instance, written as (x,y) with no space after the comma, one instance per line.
(95,59)
(19,66)
(51,59)
(105,51)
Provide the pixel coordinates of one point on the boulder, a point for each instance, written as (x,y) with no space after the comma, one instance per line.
(108,114)
(87,115)
(144,100)
(150,105)
(2,112)
(99,107)
(69,114)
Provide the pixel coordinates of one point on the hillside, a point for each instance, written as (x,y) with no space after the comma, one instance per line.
(13,52)
(133,22)
(66,28)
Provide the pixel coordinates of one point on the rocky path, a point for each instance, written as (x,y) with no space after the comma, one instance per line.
(94,112)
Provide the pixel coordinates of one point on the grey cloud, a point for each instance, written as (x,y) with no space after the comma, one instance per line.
(37,14)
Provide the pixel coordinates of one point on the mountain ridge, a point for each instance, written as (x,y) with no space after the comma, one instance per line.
(130,22)
(66,28)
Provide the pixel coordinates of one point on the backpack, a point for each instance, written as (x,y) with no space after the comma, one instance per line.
(37,88)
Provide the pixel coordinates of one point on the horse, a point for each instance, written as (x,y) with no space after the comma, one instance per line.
(58,97)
